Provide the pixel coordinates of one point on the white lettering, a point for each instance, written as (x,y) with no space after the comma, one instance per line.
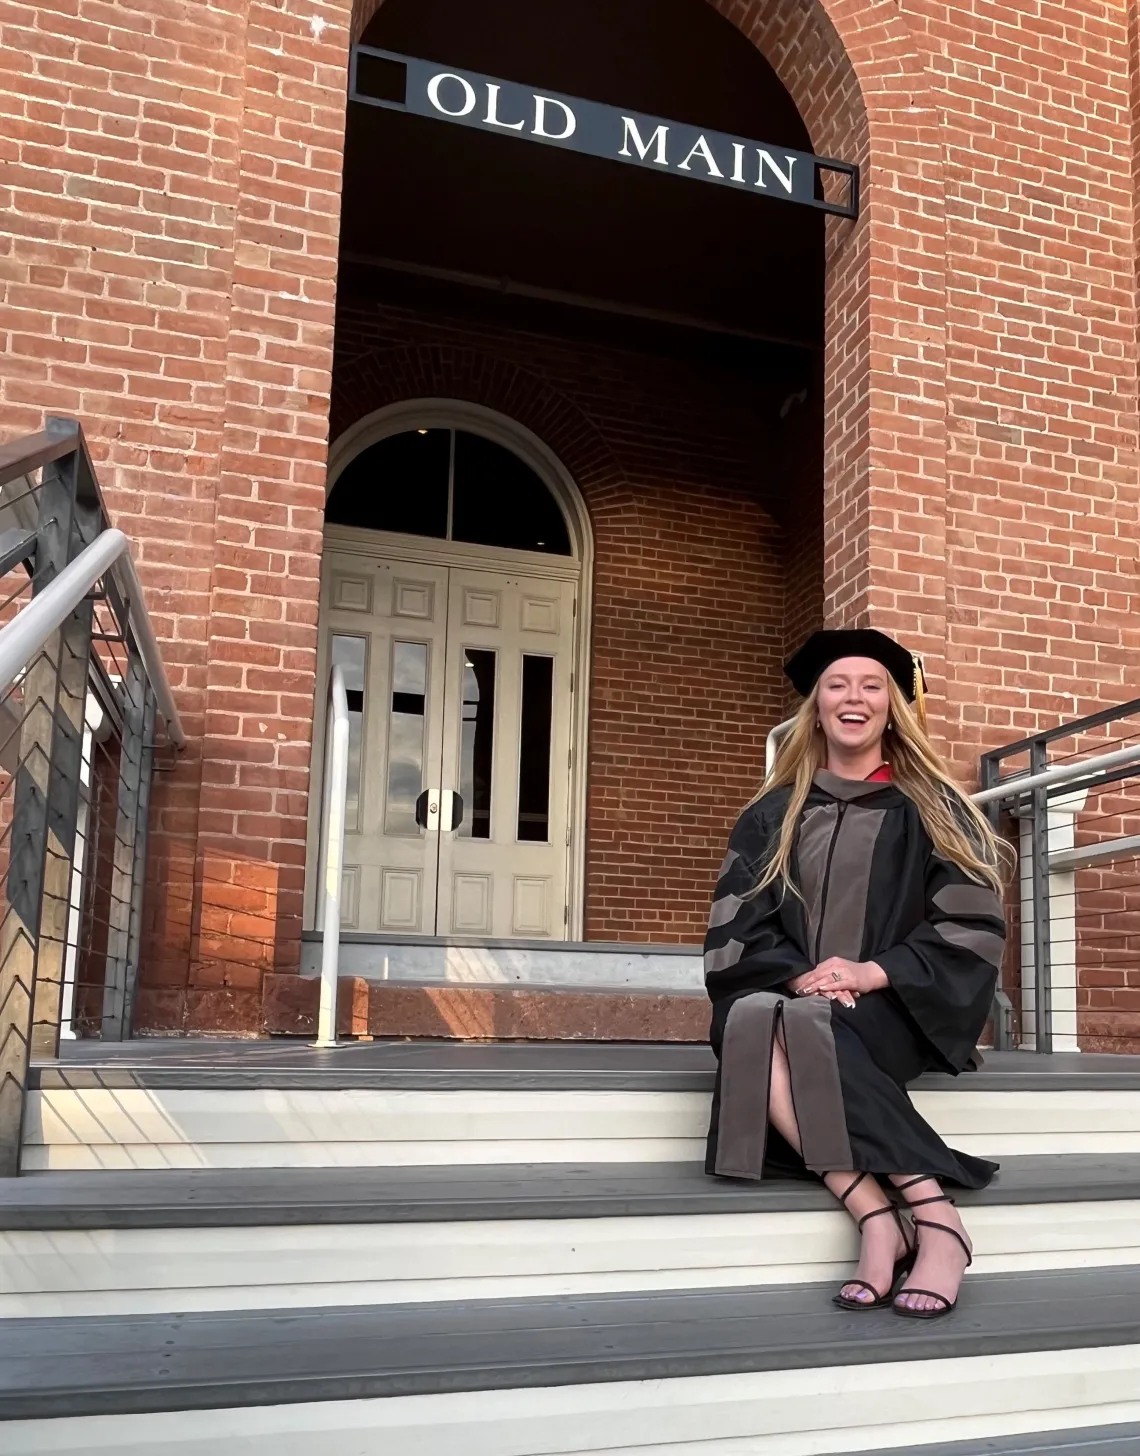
(738,161)
(700,148)
(468,94)
(492,117)
(785,182)
(658,140)
(570,121)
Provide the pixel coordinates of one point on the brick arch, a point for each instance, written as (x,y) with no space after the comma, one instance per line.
(389,376)
(856,76)
(656,731)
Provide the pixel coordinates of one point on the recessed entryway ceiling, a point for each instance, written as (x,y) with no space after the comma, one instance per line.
(446,198)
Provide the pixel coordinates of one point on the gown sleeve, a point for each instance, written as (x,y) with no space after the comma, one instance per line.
(746,947)
(945,971)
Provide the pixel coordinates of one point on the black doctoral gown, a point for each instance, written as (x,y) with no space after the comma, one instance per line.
(872,889)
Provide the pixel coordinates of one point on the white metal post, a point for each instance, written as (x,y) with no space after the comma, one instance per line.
(1062,816)
(332,845)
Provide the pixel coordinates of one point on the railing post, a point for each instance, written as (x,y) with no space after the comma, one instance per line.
(1042,948)
(129,844)
(988,777)
(332,854)
(138,873)
(67,521)
(1002,1012)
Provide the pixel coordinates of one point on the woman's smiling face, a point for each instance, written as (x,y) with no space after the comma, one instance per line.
(853,703)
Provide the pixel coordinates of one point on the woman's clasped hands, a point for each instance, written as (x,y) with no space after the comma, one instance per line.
(840,980)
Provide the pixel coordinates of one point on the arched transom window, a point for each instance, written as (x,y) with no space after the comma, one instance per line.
(451,485)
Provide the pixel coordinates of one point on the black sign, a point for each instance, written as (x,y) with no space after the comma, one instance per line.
(401,83)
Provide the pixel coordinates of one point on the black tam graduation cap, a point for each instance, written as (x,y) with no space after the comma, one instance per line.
(823,648)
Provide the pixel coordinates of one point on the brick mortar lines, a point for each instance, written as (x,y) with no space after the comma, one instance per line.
(122,179)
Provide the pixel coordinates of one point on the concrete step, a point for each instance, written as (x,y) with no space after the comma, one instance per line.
(1115,1440)
(590,1013)
(394,985)
(245,1105)
(236,1064)
(154,1242)
(188,1127)
(481,961)
(775,1371)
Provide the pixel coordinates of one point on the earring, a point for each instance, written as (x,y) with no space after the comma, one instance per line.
(890,726)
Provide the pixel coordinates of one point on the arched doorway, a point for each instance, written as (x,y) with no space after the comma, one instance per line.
(667,339)
(454,592)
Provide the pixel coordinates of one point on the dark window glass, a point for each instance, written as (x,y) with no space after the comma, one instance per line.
(406,736)
(534,748)
(398,484)
(499,501)
(352,654)
(476,749)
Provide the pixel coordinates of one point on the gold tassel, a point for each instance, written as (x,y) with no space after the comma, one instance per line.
(919,692)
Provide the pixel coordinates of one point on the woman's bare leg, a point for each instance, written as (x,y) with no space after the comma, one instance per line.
(883,1242)
(941,1259)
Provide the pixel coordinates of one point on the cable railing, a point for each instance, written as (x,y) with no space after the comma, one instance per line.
(82,693)
(1073,801)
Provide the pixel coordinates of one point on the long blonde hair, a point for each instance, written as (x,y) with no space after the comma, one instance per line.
(959,831)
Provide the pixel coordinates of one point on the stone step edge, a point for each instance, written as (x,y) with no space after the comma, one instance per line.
(432,1064)
(1121,1440)
(483,1012)
(221,1198)
(93,1365)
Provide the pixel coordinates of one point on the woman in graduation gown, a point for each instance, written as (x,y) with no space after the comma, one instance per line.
(854,942)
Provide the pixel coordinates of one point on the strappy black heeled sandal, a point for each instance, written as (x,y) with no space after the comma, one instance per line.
(903,1265)
(947,1305)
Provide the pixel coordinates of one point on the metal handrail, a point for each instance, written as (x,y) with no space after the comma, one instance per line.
(1060,773)
(1088,856)
(31,627)
(31,452)
(332,854)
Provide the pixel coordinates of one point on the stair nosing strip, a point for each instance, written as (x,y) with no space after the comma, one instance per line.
(872,1340)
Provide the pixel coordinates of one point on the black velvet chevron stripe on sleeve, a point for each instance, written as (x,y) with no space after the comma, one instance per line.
(746,947)
(945,971)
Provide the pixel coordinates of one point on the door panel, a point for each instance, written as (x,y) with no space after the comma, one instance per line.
(398,613)
(459,679)
(506,749)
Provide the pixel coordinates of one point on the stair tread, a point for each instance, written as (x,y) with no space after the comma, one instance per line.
(91,1365)
(1122,1440)
(222,1197)
(518,1066)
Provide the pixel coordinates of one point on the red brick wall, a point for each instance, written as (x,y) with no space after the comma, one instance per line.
(1043,501)
(170,196)
(674,460)
(1108,951)
(801,475)
(167,268)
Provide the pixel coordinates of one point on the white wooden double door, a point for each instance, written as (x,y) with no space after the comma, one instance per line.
(460,681)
